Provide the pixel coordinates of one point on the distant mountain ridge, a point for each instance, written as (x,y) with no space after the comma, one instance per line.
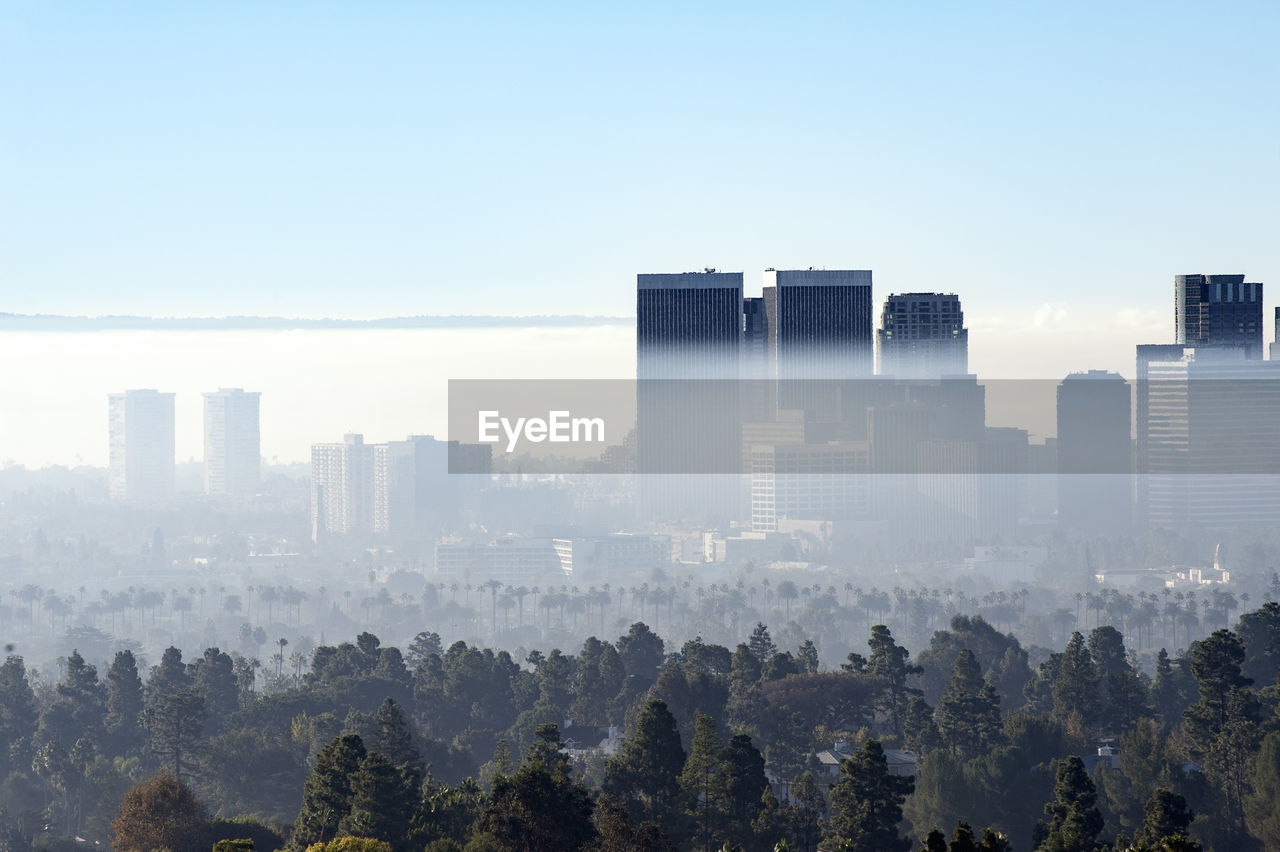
(56,322)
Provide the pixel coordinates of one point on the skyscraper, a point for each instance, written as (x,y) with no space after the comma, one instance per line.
(819,322)
(1217,310)
(688,325)
(1211,448)
(140,466)
(232,443)
(1094,452)
(342,487)
(922,336)
(689,330)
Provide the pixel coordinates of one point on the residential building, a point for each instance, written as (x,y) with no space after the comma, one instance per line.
(232,443)
(922,336)
(140,467)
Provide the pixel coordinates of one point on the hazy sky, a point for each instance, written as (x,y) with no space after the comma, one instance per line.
(403,158)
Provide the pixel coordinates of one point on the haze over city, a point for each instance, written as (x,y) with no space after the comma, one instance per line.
(639,428)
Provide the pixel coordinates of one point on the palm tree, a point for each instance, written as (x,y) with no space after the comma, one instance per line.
(788,592)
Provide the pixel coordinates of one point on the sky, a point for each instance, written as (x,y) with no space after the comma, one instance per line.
(1054,164)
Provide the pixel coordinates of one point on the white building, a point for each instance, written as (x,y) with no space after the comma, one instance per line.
(342,487)
(232,443)
(140,467)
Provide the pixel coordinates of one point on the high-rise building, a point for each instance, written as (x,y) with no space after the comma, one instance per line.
(1218,309)
(342,487)
(1211,448)
(688,325)
(922,336)
(820,322)
(395,504)
(1274,354)
(1094,452)
(141,450)
(689,329)
(232,443)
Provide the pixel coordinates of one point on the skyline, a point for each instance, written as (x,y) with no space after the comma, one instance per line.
(272,361)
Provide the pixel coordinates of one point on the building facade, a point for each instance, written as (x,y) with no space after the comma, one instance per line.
(342,487)
(232,443)
(922,336)
(1094,452)
(1218,310)
(140,467)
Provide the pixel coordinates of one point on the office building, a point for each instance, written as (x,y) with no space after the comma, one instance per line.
(689,329)
(140,467)
(1211,448)
(1218,309)
(819,322)
(342,487)
(232,443)
(688,325)
(922,336)
(1094,452)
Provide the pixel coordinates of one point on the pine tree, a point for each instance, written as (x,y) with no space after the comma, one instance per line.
(393,738)
(1260,808)
(382,799)
(866,804)
(214,677)
(169,676)
(1123,696)
(326,795)
(1165,816)
(540,809)
(124,705)
(174,723)
(1075,687)
(761,644)
(17,707)
(747,787)
(1074,821)
(889,662)
(645,773)
(703,783)
(968,714)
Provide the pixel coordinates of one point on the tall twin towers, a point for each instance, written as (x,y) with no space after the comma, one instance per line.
(808,324)
(710,360)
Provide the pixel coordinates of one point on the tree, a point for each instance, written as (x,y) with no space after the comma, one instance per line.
(1122,695)
(968,714)
(889,662)
(703,783)
(1075,686)
(540,808)
(645,772)
(214,677)
(381,801)
(1260,808)
(866,804)
(1074,820)
(761,644)
(174,722)
(747,787)
(124,705)
(160,813)
(1221,728)
(394,739)
(17,706)
(1165,816)
(326,795)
